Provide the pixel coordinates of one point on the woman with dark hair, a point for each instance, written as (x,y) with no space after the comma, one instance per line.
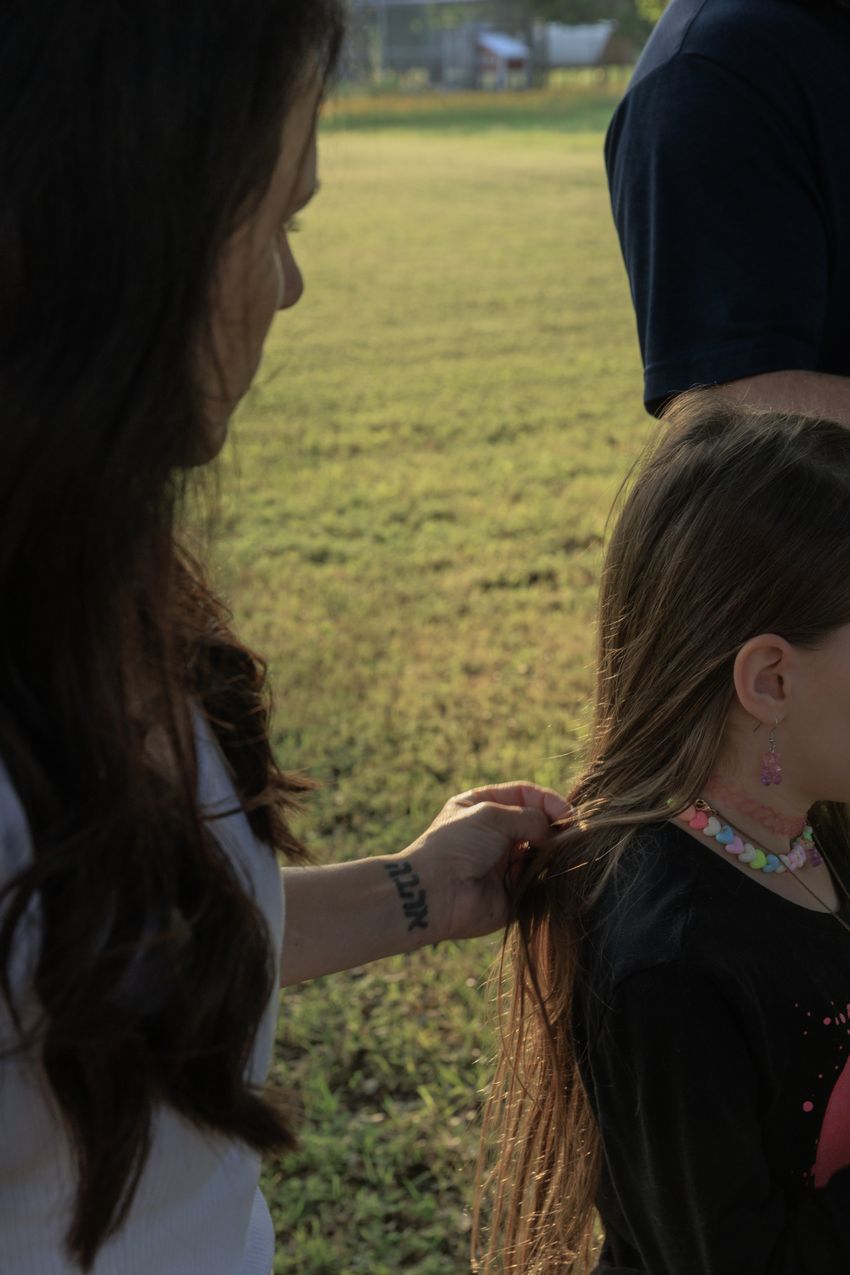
(151,157)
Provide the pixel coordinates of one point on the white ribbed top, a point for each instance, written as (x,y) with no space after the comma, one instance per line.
(198,1210)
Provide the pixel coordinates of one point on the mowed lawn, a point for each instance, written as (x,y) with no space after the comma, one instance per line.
(413,511)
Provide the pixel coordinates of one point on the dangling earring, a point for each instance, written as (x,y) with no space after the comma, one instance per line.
(771,762)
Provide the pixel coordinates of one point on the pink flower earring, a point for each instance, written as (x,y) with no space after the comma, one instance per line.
(771,762)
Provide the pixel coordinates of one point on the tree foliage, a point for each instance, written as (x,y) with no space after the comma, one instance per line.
(651,9)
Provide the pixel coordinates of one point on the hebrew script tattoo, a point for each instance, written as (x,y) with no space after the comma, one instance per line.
(413,899)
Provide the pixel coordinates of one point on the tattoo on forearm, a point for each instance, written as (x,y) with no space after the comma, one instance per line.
(414,899)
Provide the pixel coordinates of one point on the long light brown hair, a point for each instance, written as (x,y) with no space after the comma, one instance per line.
(736,523)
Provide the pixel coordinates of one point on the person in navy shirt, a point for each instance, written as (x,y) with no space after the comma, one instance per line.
(729,168)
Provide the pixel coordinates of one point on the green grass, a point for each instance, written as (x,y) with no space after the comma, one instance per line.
(582,105)
(415,502)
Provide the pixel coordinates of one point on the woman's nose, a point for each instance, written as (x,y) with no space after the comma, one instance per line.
(293,280)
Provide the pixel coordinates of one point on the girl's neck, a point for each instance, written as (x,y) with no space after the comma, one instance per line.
(769,815)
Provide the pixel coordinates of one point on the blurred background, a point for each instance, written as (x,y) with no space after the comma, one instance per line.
(415,501)
(491,43)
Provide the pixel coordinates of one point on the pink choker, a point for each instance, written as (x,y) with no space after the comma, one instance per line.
(803,853)
(731,794)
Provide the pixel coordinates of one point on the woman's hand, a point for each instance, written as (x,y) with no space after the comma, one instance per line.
(448,885)
(462,859)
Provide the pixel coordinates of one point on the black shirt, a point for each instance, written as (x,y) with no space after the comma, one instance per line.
(729,167)
(713,1024)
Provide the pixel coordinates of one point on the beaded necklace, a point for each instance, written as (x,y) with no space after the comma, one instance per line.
(803,853)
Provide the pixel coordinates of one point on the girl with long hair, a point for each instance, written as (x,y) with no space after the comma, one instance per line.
(151,158)
(673,1091)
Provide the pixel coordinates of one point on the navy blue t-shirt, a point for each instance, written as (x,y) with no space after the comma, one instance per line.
(729,167)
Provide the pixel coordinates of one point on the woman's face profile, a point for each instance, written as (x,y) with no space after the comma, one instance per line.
(258,274)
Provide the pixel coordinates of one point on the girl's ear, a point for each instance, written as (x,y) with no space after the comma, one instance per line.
(763,677)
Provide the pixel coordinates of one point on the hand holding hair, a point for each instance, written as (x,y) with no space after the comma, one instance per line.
(449,884)
(469,847)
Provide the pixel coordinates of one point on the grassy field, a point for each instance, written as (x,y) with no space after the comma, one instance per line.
(415,501)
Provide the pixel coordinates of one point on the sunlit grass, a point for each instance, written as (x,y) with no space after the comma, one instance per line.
(415,506)
(582,103)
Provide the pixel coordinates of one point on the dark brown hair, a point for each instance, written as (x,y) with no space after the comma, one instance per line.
(737,524)
(134,139)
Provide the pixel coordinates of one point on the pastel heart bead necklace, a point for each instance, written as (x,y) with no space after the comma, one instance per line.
(803,853)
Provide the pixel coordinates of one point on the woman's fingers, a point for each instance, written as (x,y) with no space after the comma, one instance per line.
(476,839)
(518,794)
(521,824)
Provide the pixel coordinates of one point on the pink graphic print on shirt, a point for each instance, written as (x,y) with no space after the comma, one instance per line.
(834,1141)
(833,1144)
